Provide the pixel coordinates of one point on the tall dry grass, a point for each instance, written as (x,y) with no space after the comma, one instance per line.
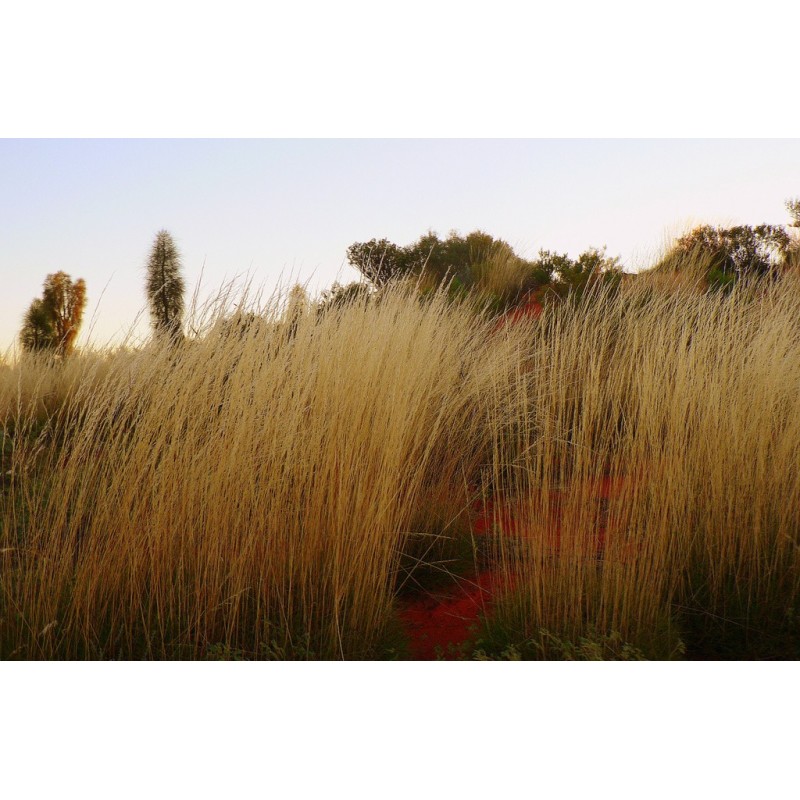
(683,408)
(258,487)
(252,488)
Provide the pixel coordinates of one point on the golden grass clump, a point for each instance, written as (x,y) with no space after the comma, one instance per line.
(653,462)
(258,487)
(250,488)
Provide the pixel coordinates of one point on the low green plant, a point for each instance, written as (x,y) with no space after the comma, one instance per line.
(594,646)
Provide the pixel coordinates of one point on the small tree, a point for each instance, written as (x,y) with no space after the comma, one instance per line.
(37,328)
(477,262)
(52,322)
(793,229)
(165,286)
(379,260)
(65,300)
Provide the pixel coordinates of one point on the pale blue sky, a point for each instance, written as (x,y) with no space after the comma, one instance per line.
(291,207)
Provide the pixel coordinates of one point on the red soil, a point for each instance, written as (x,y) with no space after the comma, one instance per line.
(438,621)
(530,307)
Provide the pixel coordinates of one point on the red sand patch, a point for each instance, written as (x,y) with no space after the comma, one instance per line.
(436,620)
(530,307)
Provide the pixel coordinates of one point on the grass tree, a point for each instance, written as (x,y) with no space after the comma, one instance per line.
(165,286)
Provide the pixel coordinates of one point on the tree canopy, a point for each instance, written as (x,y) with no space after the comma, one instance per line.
(52,322)
(456,257)
(481,263)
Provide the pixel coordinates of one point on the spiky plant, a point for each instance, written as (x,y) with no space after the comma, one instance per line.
(165,286)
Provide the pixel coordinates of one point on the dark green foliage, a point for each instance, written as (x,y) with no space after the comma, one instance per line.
(391,647)
(498,642)
(457,258)
(472,262)
(378,260)
(165,286)
(721,280)
(338,296)
(593,647)
(720,619)
(572,277)
(770,634)
(730,253)
(37,328)
(793,257)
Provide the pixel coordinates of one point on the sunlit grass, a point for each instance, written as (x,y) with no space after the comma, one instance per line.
(687,404)
(251,487)
(258,488)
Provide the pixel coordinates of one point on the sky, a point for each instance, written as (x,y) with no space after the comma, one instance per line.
(286,210)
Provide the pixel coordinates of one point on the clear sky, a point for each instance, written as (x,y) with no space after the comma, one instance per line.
(275,208)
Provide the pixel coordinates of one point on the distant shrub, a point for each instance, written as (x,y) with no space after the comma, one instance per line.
(483,268)
(722,255)
(341,296)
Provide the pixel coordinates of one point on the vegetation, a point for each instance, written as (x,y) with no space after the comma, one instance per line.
(242,490)
(486,268)
(165,286)
(37,328)
(719,256)
(52,322)
(685,404)
(277,486)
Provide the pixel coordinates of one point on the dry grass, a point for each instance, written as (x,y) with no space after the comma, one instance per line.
(252,488)
(689,403)
(256,487)
(502,275)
